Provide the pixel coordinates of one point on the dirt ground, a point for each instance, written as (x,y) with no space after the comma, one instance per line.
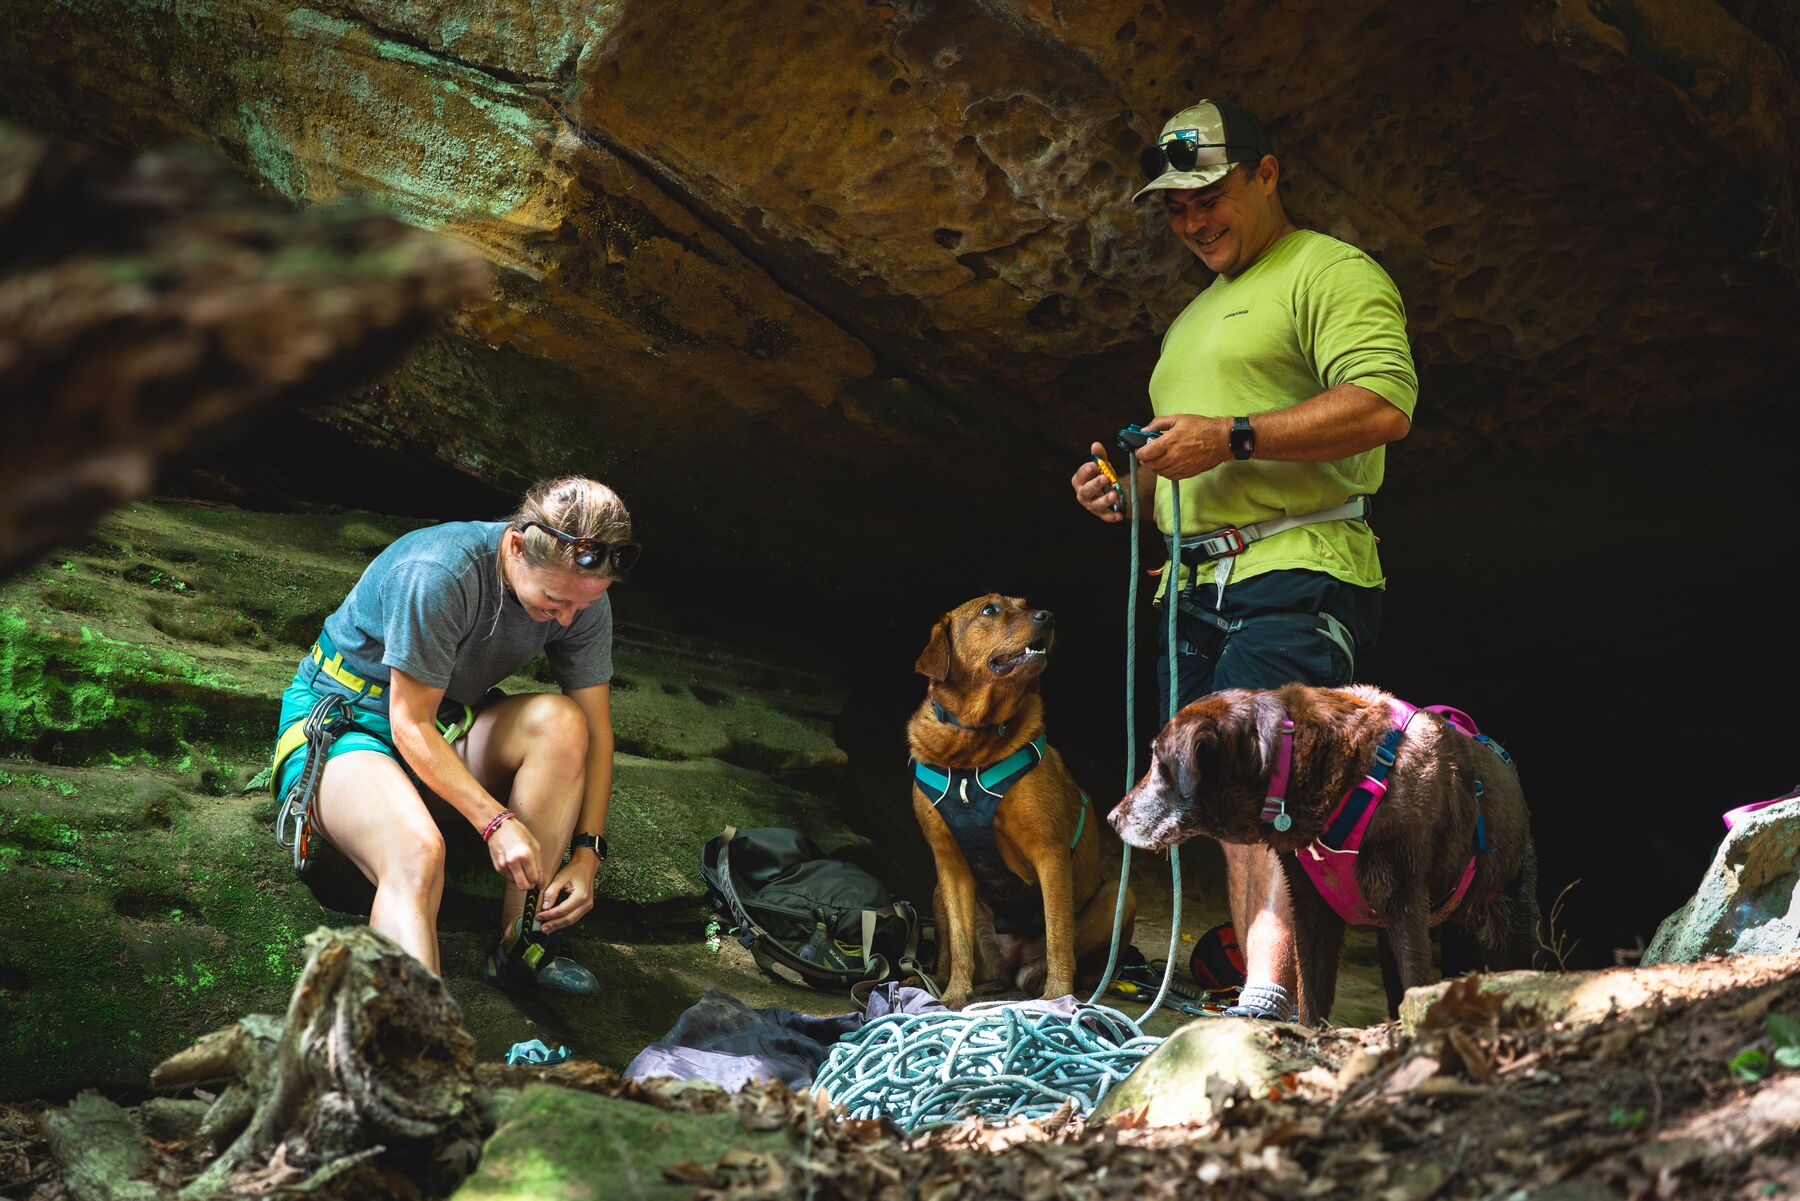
(1498,1094)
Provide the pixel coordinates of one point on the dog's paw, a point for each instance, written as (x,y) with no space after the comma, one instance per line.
(955,999)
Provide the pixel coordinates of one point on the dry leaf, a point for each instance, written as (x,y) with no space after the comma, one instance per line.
(687,1172)
(1360,1064)
(1410,1075)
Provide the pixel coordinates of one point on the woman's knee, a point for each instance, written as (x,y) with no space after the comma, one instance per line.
(412,855)
(554,725)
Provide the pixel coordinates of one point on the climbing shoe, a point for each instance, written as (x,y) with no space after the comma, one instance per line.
(525,960)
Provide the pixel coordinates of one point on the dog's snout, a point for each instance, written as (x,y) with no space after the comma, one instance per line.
(1043,616)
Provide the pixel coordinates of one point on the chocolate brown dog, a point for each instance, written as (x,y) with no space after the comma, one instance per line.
(1021,891)
(1210,774)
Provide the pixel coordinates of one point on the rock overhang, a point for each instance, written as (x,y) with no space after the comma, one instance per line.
(809,277)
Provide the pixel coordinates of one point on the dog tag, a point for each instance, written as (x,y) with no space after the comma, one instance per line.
(1282,822)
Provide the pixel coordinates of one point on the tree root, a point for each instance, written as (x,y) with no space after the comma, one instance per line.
(365,1088)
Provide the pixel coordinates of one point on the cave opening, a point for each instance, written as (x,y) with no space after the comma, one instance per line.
(1611,615)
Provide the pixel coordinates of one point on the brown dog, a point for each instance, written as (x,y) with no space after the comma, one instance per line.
(1210,774)
(1021,891)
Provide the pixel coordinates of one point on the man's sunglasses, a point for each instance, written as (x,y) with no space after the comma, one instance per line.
(1179,154)
(591,552)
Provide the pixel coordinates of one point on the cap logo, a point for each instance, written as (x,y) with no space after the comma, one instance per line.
(1180,135)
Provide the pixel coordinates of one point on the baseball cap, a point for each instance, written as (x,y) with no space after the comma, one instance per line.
(1200,144)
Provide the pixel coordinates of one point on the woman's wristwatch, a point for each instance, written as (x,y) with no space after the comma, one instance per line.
(594,841)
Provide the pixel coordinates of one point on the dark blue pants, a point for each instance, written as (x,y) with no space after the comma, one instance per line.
(1283,627)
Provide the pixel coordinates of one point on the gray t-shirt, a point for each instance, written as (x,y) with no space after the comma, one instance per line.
(427,605)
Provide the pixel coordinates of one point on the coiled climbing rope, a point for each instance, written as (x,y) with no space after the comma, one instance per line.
(994,1062)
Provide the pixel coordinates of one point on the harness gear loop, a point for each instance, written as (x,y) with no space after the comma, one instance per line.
(329,718)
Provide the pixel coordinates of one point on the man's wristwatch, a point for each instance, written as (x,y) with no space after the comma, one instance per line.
(1243,438)
(594,841)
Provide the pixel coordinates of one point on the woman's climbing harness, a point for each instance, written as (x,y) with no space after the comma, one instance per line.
(329,718)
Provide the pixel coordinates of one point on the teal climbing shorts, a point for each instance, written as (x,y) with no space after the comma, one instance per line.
(371,730)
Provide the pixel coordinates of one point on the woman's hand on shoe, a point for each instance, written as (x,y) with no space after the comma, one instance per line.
(515,855)
(569,896)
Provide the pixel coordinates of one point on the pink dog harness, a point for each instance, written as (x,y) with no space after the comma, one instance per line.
(1330,860)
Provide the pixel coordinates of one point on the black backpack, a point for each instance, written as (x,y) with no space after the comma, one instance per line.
(829,922)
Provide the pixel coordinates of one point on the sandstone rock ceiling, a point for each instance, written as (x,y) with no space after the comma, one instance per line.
(801,277)
(144,302)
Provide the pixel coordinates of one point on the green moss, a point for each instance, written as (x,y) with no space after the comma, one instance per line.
(10,780)
(78,696)
(553,1136)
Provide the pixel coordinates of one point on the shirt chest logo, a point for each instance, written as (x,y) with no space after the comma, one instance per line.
(1234,313)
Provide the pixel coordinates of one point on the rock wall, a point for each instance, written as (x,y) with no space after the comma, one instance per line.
(884,253)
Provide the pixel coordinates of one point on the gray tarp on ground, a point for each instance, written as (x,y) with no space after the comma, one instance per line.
(723,1040)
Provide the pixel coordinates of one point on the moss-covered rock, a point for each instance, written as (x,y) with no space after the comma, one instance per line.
(137,913)
(557,1144)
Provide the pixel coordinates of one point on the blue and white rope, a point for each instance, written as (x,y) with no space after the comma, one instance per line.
(996,1062)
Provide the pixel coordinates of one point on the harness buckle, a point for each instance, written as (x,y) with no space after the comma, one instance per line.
(1231,539)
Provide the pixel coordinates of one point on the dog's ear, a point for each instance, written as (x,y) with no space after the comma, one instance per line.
(1268,712)
(1188,749)
(934,660)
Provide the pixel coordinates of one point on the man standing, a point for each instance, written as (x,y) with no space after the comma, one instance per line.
(1276,391)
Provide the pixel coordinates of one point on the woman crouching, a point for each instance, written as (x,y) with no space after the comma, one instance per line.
(403,674)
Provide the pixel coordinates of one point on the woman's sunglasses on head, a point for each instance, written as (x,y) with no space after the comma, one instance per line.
(592,552)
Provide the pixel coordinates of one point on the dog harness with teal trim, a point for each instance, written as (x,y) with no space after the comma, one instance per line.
(967,799)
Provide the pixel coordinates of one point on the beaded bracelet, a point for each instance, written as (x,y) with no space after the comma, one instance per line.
(495,823)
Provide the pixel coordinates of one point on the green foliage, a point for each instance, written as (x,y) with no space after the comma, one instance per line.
(1625,1119)
(1749,1066)
(1784,1033)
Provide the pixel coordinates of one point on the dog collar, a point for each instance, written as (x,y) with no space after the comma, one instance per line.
(1274,810)
(948,718)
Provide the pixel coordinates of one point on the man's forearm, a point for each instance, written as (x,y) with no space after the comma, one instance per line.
(1336,424)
